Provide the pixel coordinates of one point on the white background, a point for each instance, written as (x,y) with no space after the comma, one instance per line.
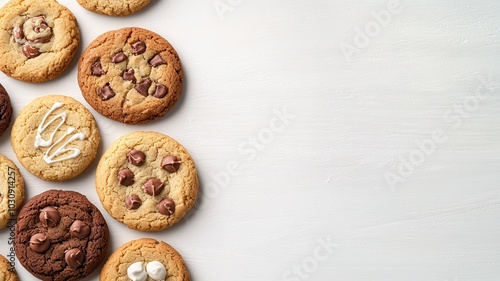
(354,120)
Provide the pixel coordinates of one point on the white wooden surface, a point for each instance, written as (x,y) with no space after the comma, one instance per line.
(295,140)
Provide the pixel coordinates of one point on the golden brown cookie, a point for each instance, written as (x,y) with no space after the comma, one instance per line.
(114,7)
(147,181)
(11,190)
(7,271)
(131,75)
(55,138)
(145,260)
(38,39)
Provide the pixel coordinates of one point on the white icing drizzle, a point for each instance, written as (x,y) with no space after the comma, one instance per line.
(39,141)
(136,272)
(156,270)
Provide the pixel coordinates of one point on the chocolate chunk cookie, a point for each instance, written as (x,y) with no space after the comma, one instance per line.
(147,181)
(60,235)
(38,39)
(114,7)
(11,190)
(130,75)
(145,260)
(55,138)
(7,271)
(5,110)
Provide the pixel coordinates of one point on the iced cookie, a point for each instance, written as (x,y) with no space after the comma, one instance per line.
(145,260)
(38,39)
(11,190)
(114,7)
(60,235)
(130,75)
(55,138)
(5,110)
(147,181)
(7,271)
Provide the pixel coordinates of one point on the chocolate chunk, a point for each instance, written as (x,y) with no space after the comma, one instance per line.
(156,61)
(161,91)
(118,57)
(166,206)
(128,75)
(40,28)
(79,229)
(96,69)
(39,243)
(105,93)
(133,202)
(138,48)
(45,39)
(18,34)
(126,177)
(153,186)
(30,51)
(143,87)
(136,157)
(50,217)
(74,257)
(170,163)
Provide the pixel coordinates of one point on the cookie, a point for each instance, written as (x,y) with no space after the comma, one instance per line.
(145,260)
(5,110)
(60,235)
(147,181)
(38,39)
(131,75)
(11,190)
(7,271)
(113,7)
(55,138)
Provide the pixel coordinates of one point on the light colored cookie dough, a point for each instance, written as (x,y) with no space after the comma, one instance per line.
(146,260)
(137,190)
(11,190)
(6,271)
(55,138)
(114,7)
(38,39)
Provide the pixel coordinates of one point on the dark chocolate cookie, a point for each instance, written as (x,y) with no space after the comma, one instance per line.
(5,110)
(60,235)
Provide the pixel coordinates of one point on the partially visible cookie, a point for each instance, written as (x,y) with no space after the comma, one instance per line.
(60,235)
(5,110)
(11,190)
(145,260)
(131,75)
(147,181)
(55,138)
(7,271)
(38,39)
(114,7)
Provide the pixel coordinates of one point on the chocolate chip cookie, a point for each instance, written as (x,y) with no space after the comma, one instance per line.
(60,235)
(5,110)
(38,39)
(55,138)
(7,271)
(131,75)
(147,181)
(114,7)
(11,190)
(145,260)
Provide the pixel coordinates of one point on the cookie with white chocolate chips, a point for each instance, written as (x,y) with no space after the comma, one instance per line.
(38,39)
(131,75)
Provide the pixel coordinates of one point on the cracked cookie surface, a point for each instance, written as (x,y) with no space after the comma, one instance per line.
(7,271)
(5,110)
(60,235)
(55,137)
(131,75)
(38,39)
(147,181)
(11,190)
(114,7)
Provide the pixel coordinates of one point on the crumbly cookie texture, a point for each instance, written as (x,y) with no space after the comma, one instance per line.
(114,7)
(131,75)
(148,255)
(55,137)
(38,39)
(60,235)
(147,181)
(11,190)
(7,272)
(5,110)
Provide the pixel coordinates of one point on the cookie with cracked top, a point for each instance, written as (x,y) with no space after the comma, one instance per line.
(7,271)
(5,110)
(11,190)
(131,75)
(114,8)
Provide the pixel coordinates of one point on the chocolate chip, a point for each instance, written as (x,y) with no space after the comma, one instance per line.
(143,87)
(170,163)
(126,177)
(74,257)
(96,68)
(153,186)
(136,157)
(49,217)
(30,51)
(105,93)
(79,229)
(160,91)
(156,61)
(118,57)
(39,243)
(166,206)
(138,48)
(45,39)
(128,75)
(18,34)
(133,202)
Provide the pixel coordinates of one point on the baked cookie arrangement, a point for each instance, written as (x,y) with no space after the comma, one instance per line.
(144,179)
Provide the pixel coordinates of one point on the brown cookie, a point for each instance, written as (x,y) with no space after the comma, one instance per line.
(60,235)
(5,110)
(131,75)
